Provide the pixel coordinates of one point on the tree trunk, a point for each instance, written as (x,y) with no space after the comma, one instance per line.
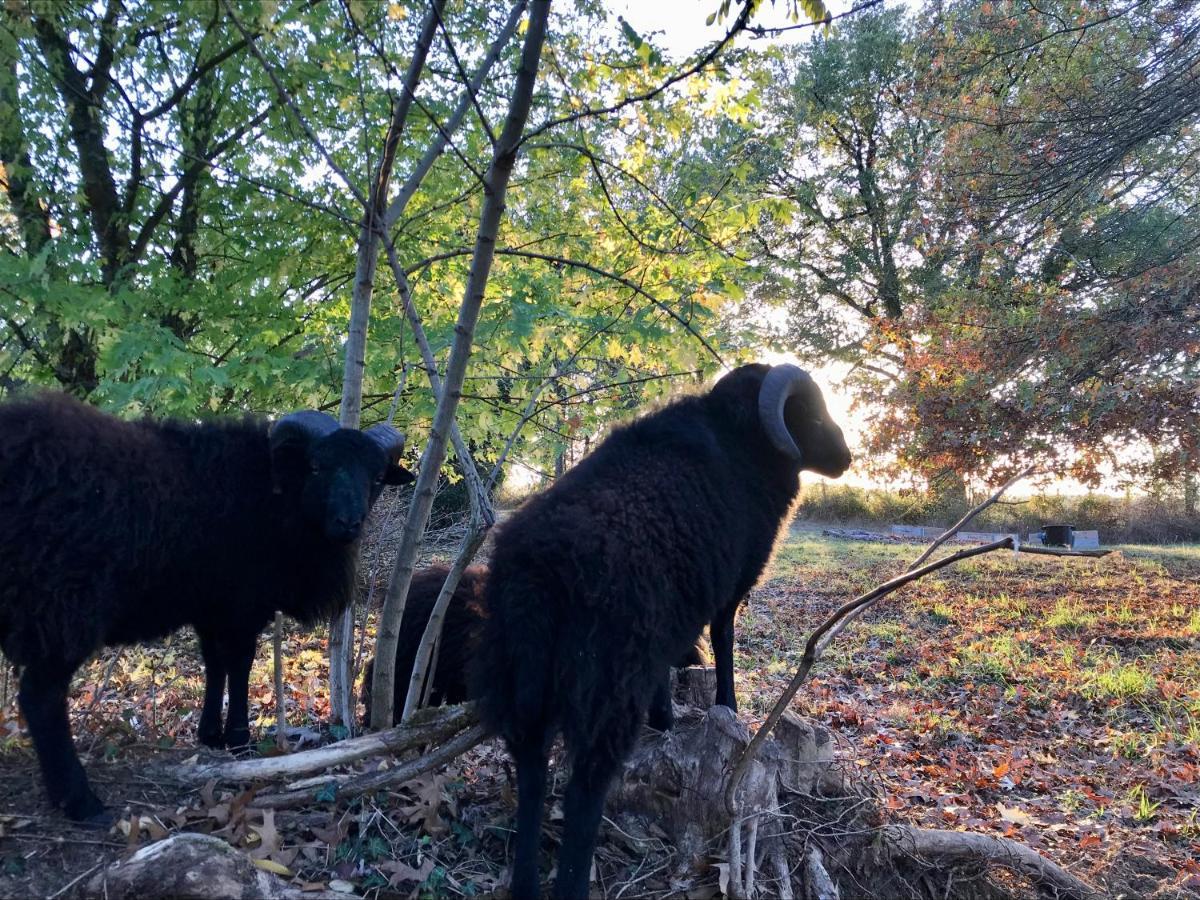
(341,628)
(496,187)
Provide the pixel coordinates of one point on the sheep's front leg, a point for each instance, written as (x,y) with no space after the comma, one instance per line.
(238,651)
(43,699)
(721,633)
(210,733)
(661,714)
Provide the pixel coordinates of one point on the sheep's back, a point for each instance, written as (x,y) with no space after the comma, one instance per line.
(116,532)
(611,574)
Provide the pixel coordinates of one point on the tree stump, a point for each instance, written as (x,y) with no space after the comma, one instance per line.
(675,781)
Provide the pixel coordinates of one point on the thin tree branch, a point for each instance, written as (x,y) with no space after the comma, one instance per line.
(586,266)
(462,73)
(497,179)
(738,25)
(438,144)
(971,514)
(288,100)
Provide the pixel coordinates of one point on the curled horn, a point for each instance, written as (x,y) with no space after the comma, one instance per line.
(316,423)
(387,437)
(781,383)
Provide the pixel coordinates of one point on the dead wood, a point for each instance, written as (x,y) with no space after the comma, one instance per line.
(428,727)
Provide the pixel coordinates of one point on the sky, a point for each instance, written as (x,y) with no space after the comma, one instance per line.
(681,22)
(679,28)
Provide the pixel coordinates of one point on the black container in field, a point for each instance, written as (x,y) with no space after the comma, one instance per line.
(1058,535)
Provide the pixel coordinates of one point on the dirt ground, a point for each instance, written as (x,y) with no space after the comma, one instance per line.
(1056,702)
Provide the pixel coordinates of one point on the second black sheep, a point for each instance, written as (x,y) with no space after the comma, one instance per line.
(115,532)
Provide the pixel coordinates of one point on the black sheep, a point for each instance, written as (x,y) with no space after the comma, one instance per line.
(456,647)
(601,582)
(115,532)
(457,642)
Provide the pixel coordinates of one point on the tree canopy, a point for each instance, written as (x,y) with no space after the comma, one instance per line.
(987,209)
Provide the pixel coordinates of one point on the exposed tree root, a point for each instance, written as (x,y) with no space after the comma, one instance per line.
(804,831)
(963,846)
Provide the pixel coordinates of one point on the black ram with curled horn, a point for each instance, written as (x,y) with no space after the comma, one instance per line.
(115,532)
(602,582)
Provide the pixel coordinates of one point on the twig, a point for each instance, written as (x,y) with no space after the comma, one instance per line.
(281,740)
(819,640)
(74,881)
(91,710)
(400,385)
(286,97)
(434,151)
(971,514)
(713,52)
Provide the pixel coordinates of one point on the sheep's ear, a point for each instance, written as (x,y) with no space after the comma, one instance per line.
(289,440)
(398,475)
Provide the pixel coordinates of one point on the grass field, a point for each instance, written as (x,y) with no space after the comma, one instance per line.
(1055,701)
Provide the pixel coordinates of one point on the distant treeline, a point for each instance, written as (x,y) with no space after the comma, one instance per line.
(1119,519)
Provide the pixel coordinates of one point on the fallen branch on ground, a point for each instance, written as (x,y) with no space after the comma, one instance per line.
(1050,551)
(355,785)
(426,728)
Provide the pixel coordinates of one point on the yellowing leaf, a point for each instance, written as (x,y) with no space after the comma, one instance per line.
(1014,815)
(269,865)
(396,12)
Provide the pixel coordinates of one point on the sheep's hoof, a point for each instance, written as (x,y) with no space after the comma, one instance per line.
(88,811)
(238,743)
(215,740)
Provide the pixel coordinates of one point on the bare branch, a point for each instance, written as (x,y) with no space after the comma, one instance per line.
(354,786)
(290,102)
(483,120)
(971,514)
(738,25)
(429,728)
(816,644)
(589,267)
(439,143)
(497,179)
